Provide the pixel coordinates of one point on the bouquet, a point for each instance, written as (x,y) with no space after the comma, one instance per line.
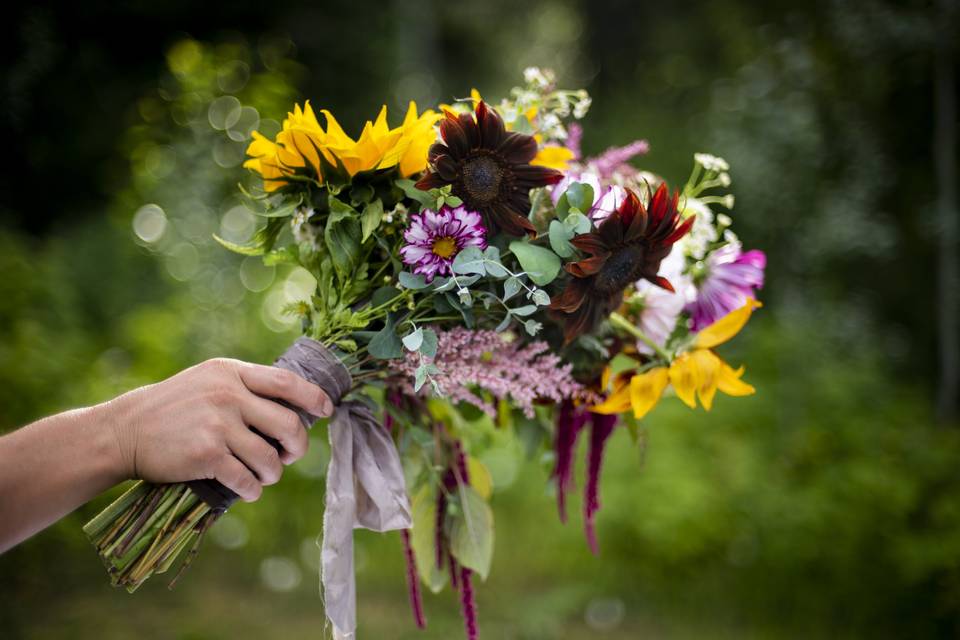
(477,278)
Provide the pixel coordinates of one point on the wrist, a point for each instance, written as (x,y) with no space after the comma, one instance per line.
(116,438)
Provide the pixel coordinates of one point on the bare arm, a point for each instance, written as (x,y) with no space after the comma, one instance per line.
(191,426)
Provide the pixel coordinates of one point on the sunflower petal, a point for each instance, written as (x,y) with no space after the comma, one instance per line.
(708,370)
(730,383)
(685,378)
(646,389)
(616,402)
(727,326)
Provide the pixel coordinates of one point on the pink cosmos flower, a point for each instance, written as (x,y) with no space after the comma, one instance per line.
(730,277)
(436,237)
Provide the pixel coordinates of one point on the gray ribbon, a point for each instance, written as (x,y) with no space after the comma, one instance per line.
(365,485)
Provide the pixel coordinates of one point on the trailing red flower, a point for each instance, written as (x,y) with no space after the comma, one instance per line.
(629,245)
(413,582)
(488,168)
(601,426)
(570,421)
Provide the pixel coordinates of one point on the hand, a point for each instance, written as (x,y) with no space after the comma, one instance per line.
(196,425)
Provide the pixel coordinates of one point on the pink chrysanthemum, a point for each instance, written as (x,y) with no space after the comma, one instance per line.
(436,237)
(729,277)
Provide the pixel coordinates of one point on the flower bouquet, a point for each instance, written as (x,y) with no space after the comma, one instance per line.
(476,277)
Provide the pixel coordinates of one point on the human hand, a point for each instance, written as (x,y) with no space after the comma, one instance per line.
(196,425)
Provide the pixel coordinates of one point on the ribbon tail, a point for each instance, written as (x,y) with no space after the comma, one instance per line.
(337,579)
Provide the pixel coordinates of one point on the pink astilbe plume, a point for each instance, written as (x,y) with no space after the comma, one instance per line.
(467,359)
(574,137)
(615,158)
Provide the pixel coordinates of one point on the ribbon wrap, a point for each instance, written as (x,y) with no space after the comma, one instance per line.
(365,485)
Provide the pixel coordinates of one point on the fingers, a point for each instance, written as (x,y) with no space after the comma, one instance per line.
(272,382)
(278,422)
(257,454)
(231,473)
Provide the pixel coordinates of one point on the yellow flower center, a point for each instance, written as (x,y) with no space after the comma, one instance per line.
(445,247)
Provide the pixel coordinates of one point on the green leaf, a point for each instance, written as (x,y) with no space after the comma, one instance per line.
(423,537)
(422,373)
(282,211)
(370,218)
(532,327)
(429,346)
(560,237)
(409,188)
(242,249)
(541,297)
(413,340)
(471,536)
(386,345)
(541,265)
(342,237)
(525,310)
(511,288)
(468,261)
(622,362)
(412,280)
(383,295)
(579,196)
(578,222)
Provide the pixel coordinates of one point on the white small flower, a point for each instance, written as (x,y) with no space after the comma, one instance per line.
(711,162)
(723,220)
(724,179)
(728,201)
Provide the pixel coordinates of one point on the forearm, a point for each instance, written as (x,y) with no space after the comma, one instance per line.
(51,467)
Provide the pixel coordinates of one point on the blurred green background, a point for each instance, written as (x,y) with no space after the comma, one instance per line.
(828,505)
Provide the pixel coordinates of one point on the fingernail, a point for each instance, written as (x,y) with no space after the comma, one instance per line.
(327,407)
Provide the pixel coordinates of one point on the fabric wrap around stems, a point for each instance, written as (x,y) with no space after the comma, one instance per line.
(365,485)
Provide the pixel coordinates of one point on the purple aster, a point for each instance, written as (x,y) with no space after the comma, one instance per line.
(436,237)
(729,277)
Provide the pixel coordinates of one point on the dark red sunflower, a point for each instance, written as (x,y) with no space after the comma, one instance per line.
(628,246)
(489,169)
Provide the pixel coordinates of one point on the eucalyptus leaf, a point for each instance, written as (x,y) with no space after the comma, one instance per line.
(541,265)
(560,236)
(578,223)
(413,340)
(541,297)
(511,288)
(579,196)
(469,261)
(532,327)
(428,347)
(525,310)
(412,280)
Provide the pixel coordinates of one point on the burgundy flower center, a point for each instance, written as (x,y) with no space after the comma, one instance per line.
(622,268)
(482,175)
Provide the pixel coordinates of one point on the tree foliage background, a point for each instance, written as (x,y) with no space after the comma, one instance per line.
(827,504)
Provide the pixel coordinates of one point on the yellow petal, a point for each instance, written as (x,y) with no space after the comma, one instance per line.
(616,402)
(646,389)
(726,327)
(685,379)
(475,96)
(553,157)
(708,371)
(730,383)
(530,114)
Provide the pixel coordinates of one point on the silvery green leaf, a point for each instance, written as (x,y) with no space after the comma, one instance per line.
(492,253)
(525,310)
(429,346)
(503,324)
(496,269)
(578,223)
(541,297)
(412,280)
(465,297)
(510,288)
(579,196)
(444,284)
(541,264)
(560,236)
(413,340)
(468,261)
(419,377)
(532,326)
